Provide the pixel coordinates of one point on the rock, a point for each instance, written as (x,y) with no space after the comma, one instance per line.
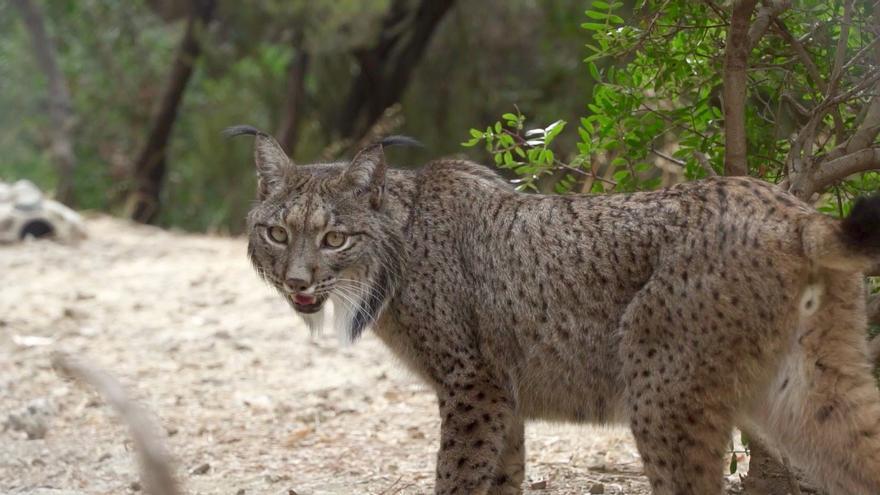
(201,468)
(539,485)
(135,486)
(33,419)
(597,488)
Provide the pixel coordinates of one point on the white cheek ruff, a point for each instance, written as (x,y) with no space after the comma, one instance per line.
(344,312)
(355,310)
(315,321)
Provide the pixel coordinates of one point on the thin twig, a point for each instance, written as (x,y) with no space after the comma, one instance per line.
(840,51)
(669,158)
(576,170)
(766,14)
(704,162)
(801,53)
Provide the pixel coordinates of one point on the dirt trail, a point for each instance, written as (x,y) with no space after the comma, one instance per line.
(251,404)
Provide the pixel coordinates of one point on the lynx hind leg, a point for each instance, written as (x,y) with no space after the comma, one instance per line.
(680,404)
(823,408)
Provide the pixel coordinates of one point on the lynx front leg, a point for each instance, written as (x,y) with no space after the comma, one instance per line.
(476,420)
(512,464)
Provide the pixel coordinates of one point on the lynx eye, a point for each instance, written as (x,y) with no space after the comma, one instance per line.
(277,234)
(335,240)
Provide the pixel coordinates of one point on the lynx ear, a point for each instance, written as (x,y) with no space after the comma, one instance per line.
(366,174)
(271,161)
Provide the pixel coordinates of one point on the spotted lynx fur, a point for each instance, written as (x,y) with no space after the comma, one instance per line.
(682,312)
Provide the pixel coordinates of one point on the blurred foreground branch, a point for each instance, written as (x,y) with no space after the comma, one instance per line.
(156,464)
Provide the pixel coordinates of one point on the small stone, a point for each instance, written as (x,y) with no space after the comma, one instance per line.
(104,457)
(135,486)
(539,485)
(201,468)
(240,491)
(33,419)
(597,488)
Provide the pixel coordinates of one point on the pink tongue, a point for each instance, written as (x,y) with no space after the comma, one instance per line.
(304,299)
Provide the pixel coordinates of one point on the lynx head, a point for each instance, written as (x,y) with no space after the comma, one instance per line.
(320,232)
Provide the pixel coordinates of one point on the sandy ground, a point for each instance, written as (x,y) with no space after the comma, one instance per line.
(251,404)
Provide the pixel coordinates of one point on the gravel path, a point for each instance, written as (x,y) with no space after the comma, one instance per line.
(251,404)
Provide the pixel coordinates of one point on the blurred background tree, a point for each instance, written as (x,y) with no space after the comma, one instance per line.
(151,83)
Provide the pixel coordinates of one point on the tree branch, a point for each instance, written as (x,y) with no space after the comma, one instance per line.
(386,67)
(841,168)
(801,53)
(840,51)
(288,128)
(149,168)
(766,14)
(736,55)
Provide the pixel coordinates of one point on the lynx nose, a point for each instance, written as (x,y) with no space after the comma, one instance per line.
(297,284)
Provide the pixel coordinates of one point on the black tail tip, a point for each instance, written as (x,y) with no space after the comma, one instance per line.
(861,229)
(238,130)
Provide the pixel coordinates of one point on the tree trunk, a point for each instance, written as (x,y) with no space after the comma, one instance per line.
(149,168)
(288,129)
(386,67)
(736,58)
(60,106)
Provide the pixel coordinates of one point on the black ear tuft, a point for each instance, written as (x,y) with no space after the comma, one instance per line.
(238,130)
(861,229)
(400,141)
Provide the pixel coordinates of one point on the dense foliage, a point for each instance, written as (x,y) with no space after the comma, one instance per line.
(655,115)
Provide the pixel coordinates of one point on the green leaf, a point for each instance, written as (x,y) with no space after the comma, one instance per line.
(594,71)
(553,130)
(593,26)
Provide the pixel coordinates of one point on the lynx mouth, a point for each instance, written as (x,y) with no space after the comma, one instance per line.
(307,303)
